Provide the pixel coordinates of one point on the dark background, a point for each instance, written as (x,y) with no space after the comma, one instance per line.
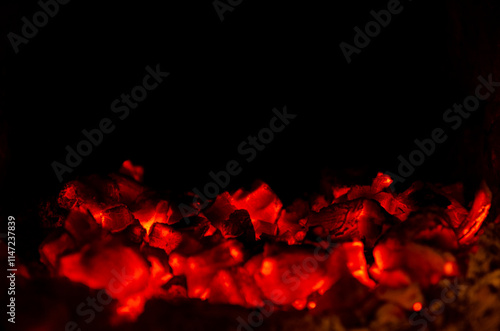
(225,78)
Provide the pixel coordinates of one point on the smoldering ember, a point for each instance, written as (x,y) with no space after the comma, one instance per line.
(121,256)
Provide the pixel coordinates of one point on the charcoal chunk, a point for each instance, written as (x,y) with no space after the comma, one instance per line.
(239,226)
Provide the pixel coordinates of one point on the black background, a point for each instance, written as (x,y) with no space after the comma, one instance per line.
(225,78)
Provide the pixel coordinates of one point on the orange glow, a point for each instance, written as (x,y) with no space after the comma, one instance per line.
(299,304)
(156,267)
(417,306)
(166,278)
(381,182)
(234,253)
(449,268)
(311,305)
(153,212)
(175,262)
(205,294)
(211,230)
(376,271)
(123,310)
(267,267)
(319,285)
(192,265)
(136,172)
(363,277)
(158,271)
(149,223)
(133,307)
(378,258)
(478,213)
(357,263)
(262,204)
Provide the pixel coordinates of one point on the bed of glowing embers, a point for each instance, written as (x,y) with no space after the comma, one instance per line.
(364,247)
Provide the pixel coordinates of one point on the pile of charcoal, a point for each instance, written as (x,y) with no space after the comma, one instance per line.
(363,251)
